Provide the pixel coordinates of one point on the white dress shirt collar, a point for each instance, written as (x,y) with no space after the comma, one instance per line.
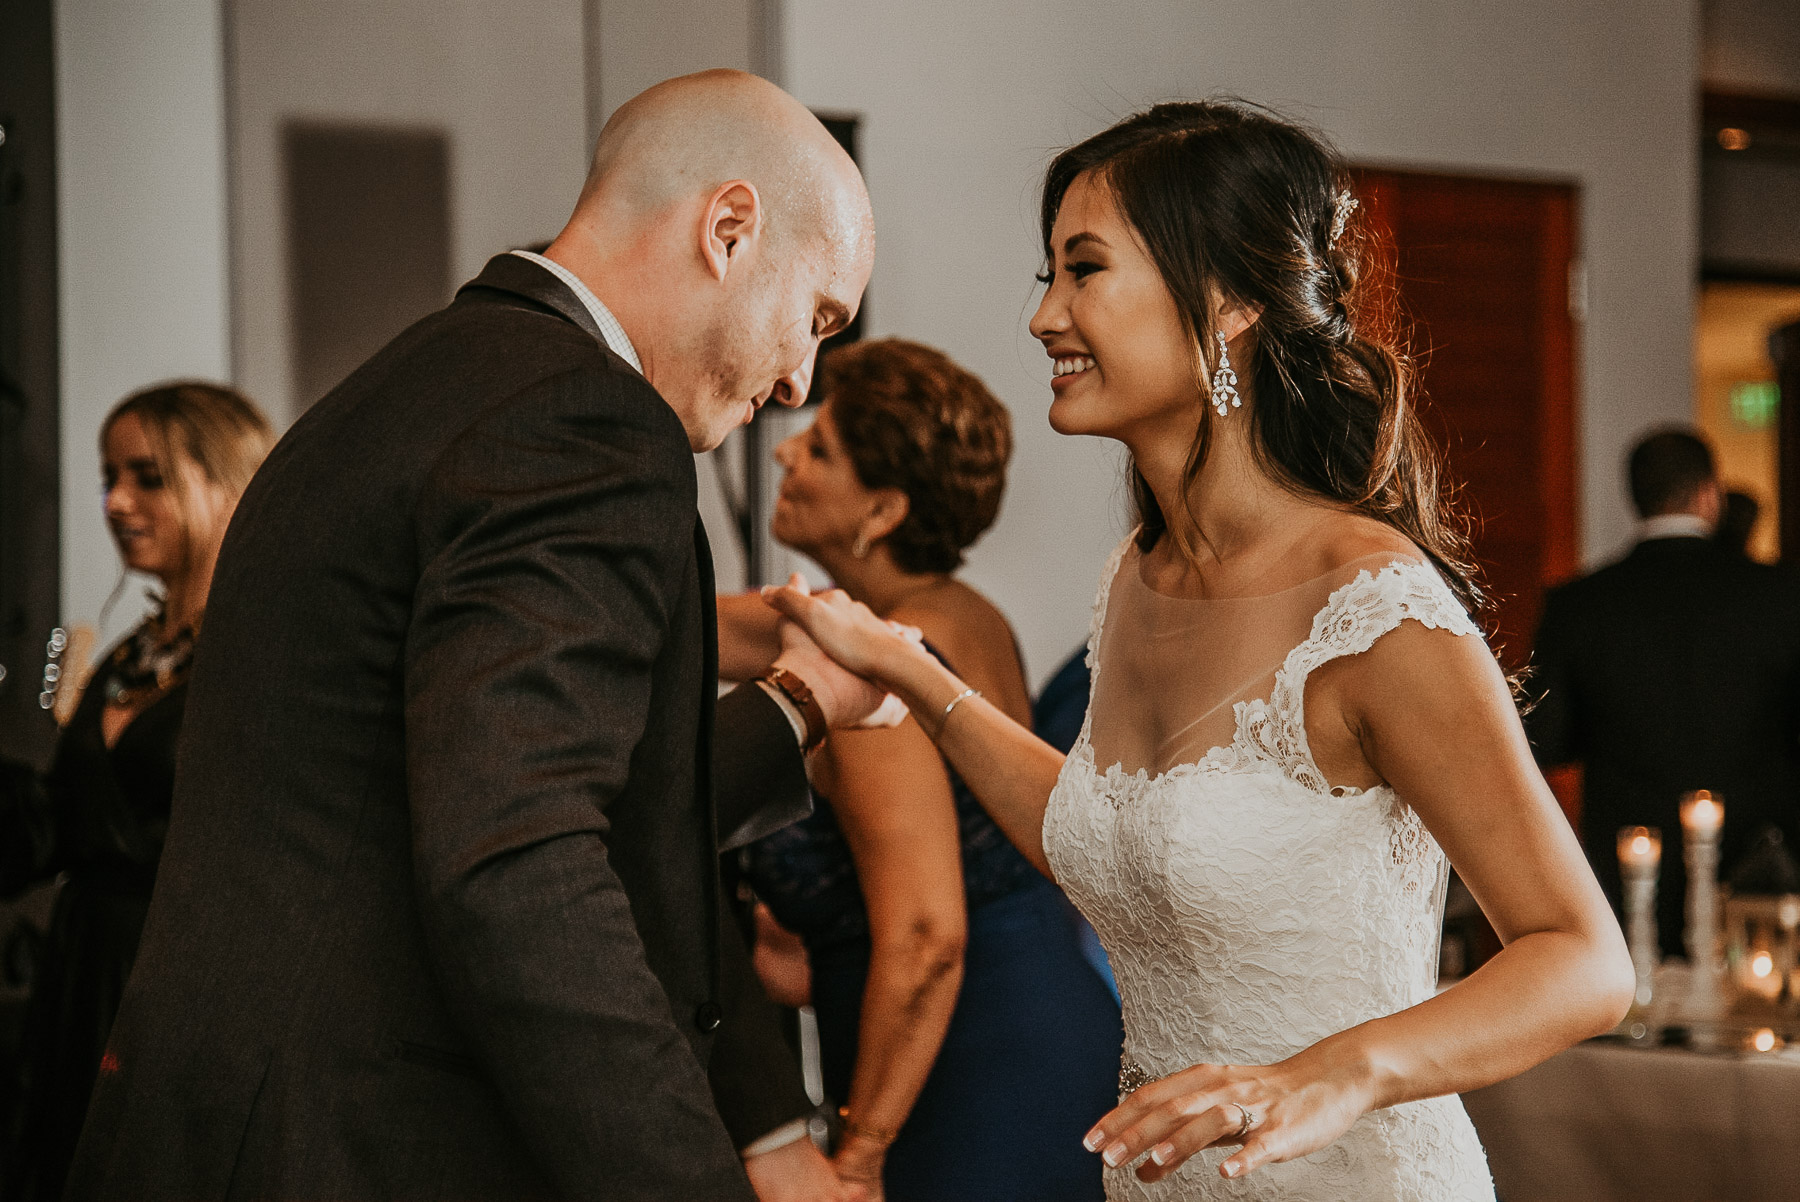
(1674,525)
(610,329)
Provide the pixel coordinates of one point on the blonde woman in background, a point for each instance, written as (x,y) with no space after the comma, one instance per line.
(174,461)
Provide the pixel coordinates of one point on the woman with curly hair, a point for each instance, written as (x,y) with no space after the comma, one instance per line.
(967,1038)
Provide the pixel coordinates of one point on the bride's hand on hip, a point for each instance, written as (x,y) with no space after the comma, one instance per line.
(846,630)
(1276,1111)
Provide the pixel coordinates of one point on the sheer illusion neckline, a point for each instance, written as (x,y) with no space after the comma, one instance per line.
(1268,730)
(1364,562)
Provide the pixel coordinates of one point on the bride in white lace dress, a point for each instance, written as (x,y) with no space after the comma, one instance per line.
(1293,717)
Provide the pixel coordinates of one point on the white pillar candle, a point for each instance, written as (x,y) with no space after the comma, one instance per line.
(1640,861)
(1702,817)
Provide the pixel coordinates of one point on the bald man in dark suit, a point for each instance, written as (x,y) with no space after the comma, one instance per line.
(438,914)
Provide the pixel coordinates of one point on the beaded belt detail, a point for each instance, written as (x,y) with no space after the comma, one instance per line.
(1132,1076)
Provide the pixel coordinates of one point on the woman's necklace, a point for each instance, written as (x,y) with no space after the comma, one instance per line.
(144,668)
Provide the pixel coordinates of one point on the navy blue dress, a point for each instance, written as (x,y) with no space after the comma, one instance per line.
(1031,1058)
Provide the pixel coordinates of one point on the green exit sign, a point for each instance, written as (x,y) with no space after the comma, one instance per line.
(1755,403)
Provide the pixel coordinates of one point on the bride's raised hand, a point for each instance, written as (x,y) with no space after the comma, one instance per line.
(1277,1112)
(846,630)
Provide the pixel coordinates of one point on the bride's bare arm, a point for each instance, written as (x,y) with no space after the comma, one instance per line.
(1010,770)
(1429,713)
(1436,720)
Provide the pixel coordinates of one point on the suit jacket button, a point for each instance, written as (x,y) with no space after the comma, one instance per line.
(708,1016)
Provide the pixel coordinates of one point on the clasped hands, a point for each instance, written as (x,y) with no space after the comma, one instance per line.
(849,698)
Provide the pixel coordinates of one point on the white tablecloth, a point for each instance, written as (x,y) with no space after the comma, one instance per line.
(1604,1121)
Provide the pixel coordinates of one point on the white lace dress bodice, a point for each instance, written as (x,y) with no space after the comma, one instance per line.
(1250,910)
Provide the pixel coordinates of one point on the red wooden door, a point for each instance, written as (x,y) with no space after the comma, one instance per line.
(1482,269)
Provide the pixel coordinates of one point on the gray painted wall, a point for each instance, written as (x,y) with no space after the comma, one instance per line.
(505,82)
(140,96)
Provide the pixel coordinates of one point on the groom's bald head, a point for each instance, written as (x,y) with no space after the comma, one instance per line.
(729,233)
(686,136)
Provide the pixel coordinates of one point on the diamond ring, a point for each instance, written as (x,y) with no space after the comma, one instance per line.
(1247,1120)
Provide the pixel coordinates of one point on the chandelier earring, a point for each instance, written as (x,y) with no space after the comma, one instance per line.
(1224,380)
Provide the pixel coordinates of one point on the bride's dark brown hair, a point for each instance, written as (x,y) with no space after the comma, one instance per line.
(1230,197)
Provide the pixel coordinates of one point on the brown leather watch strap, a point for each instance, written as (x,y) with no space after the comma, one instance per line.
(796,691)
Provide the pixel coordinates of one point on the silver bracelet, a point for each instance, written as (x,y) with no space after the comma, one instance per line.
(958,700)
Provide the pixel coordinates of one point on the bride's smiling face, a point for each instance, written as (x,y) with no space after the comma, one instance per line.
(1124,364)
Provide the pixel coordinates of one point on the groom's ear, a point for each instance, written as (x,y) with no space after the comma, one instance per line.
(733,219)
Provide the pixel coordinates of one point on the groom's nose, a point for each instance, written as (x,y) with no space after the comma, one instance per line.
(792,388)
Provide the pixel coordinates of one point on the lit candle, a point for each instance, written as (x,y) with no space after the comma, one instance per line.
(1702,814)
(1640,850)
(1640,858)
(1765,1040)
(1759,973)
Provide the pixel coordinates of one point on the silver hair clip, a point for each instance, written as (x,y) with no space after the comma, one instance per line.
(1343,205)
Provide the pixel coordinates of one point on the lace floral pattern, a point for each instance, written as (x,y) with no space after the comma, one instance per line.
(1250,910)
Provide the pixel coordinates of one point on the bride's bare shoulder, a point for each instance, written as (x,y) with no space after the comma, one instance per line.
(1349,538)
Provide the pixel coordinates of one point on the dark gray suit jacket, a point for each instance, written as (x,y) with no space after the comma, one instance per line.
(439,913)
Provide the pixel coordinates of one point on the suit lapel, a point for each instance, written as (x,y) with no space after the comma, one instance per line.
(709,608)
(703,766)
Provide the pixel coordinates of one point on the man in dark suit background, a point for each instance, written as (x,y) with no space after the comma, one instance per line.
(1676,668)
(438,915)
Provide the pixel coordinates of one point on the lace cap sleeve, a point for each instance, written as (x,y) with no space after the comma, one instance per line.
(1354,617)
(1376,602)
